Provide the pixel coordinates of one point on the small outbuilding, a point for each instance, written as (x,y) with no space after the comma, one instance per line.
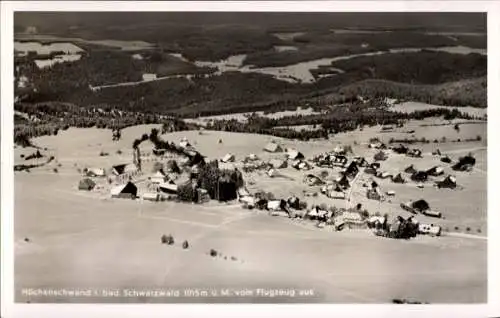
(398,179)
(228,158)
(294,154)
(86,184)
(127,190)
(273,147)
(449,182)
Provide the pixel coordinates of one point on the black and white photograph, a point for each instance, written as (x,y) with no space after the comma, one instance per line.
(238,157)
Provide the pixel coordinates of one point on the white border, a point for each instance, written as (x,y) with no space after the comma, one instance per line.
(9,309)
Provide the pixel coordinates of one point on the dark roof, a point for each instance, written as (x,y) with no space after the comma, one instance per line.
(421,205)
(86,184)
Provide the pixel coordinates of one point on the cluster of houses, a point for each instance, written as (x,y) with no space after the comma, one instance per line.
(164,183)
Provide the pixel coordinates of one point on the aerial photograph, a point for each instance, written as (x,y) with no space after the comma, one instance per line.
(250,157)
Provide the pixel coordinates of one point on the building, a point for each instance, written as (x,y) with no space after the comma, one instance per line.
(278,163)
(398,179)
(127,191)
(295,154)
(449,182)
(95,172)
(148,77)
(158,178)
(168,187)
(124,168)
(228,158)
(86,184)
(273,147)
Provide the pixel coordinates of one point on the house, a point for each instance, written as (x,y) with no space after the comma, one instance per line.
(251,157)
(361,161)
(301,165)
(435,171)
(377,145)
(336,194)
(449,182)
(420,176)
(410,169)
(382,174)
(293,202)
(168,187)
(158,178)
(184,143)
(398,179)
(374,194)
(401,149)
(276,205)
(343,182)
(352,170)
(127,190)
(124,168)
(445,159)
(304,166)
(86,184)
(370,170)
(273,173)
(151,196)
(295,154)
(339,150)
(465,163)
(172,167)
(228,158)
(278,163)
(416,153)
(312,180)
(148,77)
(380,156)
(273,147)
(95,172)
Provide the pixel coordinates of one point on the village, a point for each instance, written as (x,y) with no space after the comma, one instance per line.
(231,182)
(166,172)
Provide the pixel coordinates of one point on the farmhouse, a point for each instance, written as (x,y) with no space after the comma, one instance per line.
(410,169)
(352,170)
(95,172)
(449,182)
(172,167)
(127,191)
(420,176)
(86,184)
(464,163)
(168,187)
(124,168)
(435,171)
(273,147)
(313,180)
(295,154)
(398,179)
(278,163)
(401,149)
(416,153)
(228,158)
(343,182)
(380,156)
